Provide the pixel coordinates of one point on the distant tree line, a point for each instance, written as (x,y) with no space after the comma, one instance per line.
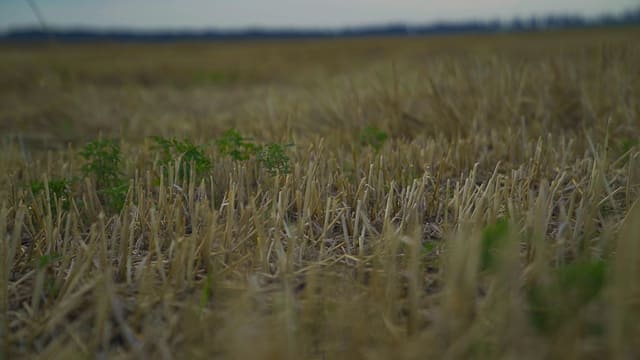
(550,22)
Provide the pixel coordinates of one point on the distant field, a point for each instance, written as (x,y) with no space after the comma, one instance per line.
(417,197)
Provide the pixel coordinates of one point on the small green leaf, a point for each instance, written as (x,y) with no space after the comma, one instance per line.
(571,288)
(427,248)
(628,144)
(374,137)
(205,295)
(583,280)
(492,237)
(45,260)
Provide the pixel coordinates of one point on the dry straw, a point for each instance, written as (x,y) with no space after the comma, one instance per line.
(498,220)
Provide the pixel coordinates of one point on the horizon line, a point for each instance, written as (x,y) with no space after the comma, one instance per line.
(633,12)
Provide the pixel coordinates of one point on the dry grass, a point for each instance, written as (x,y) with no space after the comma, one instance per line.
(500,219)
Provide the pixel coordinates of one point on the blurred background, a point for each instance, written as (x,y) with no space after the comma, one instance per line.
(71,69)
(284,13)
(332,16)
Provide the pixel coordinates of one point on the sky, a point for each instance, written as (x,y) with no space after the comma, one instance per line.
(235,14)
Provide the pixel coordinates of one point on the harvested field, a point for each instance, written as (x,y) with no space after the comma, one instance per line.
(419,197)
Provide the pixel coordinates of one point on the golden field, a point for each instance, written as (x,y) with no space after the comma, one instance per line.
(450,197)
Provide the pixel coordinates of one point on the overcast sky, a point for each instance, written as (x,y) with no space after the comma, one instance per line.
(197,14)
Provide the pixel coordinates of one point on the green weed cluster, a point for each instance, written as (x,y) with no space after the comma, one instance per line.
(59,193)
(373,136)
(185,154)
(273,156)
(103,164)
